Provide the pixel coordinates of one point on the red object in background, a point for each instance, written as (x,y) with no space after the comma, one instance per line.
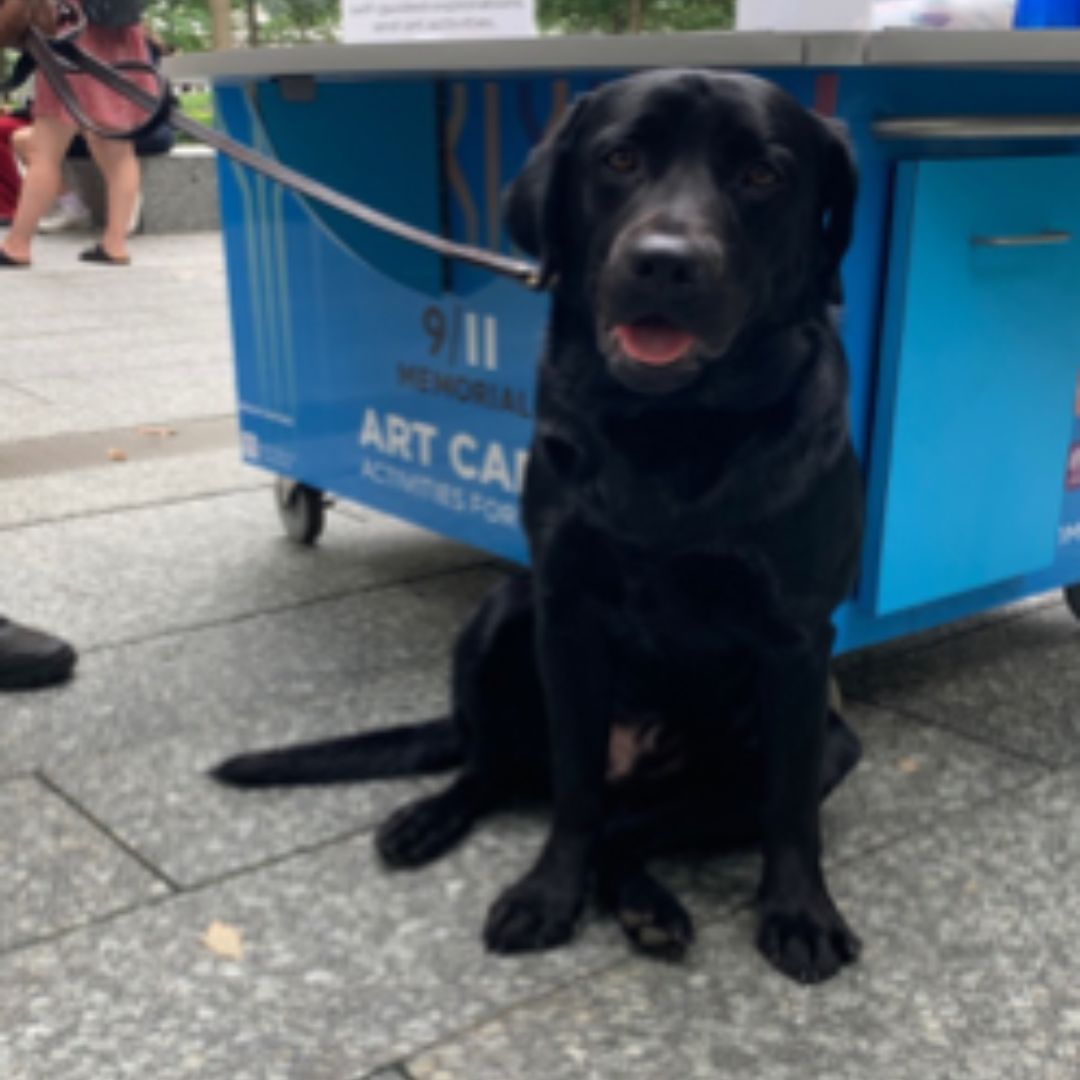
(10,180)
(826,92)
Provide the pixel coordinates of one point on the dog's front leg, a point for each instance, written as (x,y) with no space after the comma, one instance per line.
(541,910)
(801,931)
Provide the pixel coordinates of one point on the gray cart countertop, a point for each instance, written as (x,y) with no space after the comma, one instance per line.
(890,48)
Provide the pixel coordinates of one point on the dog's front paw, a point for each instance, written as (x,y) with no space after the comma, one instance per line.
(808,941)
(653,919)
(536,913)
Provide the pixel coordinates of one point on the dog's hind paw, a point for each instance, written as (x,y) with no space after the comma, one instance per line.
(653,919)
(536,913)
(425,829)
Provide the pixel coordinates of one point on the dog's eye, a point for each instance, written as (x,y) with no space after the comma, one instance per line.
(761,176)
(623,160)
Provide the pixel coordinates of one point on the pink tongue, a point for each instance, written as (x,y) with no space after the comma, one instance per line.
(653,343)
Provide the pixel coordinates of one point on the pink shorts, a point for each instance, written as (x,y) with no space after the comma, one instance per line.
(98,102)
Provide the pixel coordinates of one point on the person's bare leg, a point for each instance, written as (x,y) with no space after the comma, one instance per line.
(118,164)
(22,145)
(41,184)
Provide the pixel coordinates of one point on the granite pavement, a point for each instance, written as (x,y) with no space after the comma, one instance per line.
(155,926)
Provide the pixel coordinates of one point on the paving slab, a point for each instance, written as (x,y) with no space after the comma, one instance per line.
(109,400)
(177,281)
(188,257)
(31,411)
(858,664)
(1039,619)
(124,349)
(103,450)
(910,775)
(149,344)
(94,327)
(309,671)
(133,737)
(59,870)
(346,968)
(163,477)
(969,970)
(204,633)
(142,572)
(1014,683)
(159,800)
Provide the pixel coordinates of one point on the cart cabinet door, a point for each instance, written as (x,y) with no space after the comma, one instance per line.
(980,353)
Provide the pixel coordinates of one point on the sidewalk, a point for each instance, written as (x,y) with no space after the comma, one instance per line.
(128,524)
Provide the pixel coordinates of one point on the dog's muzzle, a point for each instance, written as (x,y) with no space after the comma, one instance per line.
(666,307)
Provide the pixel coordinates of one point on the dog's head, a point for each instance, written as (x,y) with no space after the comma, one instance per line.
(686,209)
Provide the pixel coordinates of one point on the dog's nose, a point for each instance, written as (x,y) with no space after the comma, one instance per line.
(664,259)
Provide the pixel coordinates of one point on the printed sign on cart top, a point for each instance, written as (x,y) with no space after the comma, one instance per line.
(435,20)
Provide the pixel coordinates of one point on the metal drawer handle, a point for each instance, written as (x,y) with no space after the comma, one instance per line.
(1046,238)
(978,127)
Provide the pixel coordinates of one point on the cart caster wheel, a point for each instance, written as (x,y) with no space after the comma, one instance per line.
(1072,598)
(302,510)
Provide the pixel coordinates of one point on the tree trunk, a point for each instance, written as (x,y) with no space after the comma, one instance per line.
(253,22)
(637,16)
(221,22)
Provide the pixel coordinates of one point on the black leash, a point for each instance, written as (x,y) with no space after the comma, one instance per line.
(59,57)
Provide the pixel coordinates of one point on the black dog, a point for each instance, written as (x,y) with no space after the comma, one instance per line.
(693,508)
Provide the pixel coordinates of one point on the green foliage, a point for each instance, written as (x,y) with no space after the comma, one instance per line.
(186,23)
(199,105)
(620,16)
(300,20)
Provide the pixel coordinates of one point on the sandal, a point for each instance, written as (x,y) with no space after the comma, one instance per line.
(98,254)
(7,260)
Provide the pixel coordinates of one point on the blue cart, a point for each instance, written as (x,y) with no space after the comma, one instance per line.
(383,374)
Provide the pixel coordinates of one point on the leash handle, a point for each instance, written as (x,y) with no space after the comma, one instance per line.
(62,57)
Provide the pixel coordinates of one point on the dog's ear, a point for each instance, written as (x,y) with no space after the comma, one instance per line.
(839,184)
(535,204)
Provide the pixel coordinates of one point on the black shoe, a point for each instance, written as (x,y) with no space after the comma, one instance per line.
(30,658)
(98,254)
(7,262)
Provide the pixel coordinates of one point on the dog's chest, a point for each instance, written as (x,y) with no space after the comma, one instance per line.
(687,609)
(650,469)
(685,634)
(664,481)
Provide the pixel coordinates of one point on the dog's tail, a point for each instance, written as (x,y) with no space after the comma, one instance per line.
(432,746)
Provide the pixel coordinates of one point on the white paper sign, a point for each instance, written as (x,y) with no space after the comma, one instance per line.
(436,20)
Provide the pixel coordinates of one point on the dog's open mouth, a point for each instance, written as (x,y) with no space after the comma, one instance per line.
(654,342)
